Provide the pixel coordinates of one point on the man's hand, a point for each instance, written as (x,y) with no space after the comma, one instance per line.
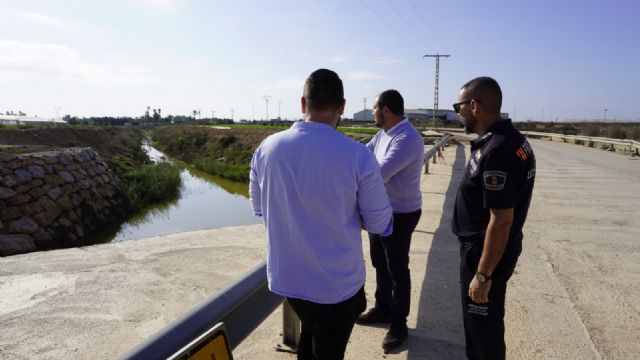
(478,292)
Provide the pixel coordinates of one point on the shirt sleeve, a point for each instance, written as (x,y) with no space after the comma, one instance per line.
(254,185)
(401,152)
(373,203)
(372,143)
(499,179)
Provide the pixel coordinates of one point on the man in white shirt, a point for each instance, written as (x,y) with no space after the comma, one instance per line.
(316,189)
(399,149)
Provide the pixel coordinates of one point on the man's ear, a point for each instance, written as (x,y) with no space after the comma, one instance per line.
(475,107)
(303,105)
(341,107)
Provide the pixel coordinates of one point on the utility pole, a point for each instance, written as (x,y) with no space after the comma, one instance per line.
(437,88)
(253,113)
(266,100)
(279,103)
(213,114)
(364,112)
(232,114)
(605,114)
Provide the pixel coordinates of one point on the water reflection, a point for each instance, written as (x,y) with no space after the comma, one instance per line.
(205,201)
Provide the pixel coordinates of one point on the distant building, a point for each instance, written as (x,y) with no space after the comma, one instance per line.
(427,114)
(29,120)
(365,115)
(418,114)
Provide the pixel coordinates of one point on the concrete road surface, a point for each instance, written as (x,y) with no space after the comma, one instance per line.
(574,294)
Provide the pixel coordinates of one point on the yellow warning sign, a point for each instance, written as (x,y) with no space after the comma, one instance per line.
(212,345)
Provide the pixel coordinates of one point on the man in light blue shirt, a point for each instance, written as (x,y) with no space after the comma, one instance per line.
(399,149)
(316,189)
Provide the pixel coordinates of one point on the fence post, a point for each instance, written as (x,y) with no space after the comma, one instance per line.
(290,326)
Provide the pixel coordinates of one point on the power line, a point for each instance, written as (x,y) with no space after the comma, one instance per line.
(425,22)
(389,25)
(406,22)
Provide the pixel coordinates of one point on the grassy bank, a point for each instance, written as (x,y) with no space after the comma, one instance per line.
(224,153)
(151,184)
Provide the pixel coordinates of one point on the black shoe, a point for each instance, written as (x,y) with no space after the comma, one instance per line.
(373,316)
(394,338)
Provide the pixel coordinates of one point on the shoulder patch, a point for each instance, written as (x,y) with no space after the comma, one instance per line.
(494,180)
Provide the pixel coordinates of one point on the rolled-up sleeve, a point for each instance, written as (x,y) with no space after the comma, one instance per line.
(254,185)
(373,203)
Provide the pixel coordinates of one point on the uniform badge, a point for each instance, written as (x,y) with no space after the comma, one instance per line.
(478,154)
(494,180)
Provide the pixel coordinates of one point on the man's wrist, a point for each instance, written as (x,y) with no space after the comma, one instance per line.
(482,277)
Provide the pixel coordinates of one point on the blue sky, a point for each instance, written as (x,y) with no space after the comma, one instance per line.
(553,59)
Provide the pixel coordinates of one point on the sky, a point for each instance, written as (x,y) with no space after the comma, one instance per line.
(555,60)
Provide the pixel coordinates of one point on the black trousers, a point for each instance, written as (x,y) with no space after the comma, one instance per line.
(484,323)
(390,258)
(326,328)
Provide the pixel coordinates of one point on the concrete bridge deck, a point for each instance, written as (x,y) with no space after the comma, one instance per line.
(574,294)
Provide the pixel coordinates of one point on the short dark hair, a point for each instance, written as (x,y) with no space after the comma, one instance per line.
(393,100)
(487,91)
(323,90)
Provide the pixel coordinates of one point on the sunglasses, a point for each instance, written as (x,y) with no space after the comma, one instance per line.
(456,106)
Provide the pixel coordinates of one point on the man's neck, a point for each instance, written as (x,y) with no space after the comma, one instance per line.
(486,125)
(393,122)
(320,119)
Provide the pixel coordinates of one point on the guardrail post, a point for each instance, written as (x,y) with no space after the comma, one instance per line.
(290,326)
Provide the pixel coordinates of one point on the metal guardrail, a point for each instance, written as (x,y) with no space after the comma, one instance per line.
(241,306)
(433,151)
(631,146)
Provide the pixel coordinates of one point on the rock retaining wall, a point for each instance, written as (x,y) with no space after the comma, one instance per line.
(54,199)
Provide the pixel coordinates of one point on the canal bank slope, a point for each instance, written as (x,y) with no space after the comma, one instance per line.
(98,302)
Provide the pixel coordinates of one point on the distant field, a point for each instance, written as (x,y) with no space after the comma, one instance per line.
(345,130)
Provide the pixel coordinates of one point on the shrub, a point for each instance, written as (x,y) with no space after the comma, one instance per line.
(235,172)
(616,132)
(150,184)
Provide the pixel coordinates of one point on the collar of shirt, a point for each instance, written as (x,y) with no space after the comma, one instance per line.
(498,127)
(312,125)
(396,128)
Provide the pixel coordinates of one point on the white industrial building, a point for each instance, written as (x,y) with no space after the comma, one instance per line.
(365,115)
(29,120)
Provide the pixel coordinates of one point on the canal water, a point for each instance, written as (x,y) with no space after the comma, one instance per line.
(205,202)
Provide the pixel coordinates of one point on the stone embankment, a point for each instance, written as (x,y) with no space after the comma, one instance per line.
(54,199)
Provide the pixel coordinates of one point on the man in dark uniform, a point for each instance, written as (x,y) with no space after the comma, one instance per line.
(490,211)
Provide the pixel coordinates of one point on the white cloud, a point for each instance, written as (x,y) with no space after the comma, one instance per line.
(339,58)
(282,84)
(363,76)
(51,60)
(32,18)
(165,5)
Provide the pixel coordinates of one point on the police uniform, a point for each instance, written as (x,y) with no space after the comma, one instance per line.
(500,175)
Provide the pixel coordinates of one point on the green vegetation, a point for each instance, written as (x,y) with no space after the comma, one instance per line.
(150,184)
(233,172)
(224,153)
(259,126)
(359,130)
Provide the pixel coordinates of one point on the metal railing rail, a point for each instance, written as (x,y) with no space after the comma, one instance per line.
(630,145)
(241,306)
(433,151)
